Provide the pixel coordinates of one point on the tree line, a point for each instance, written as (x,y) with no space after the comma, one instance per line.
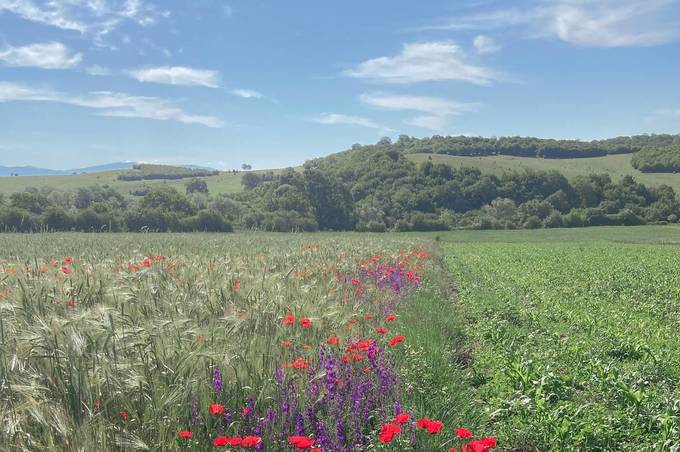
(527,146)
(375,188)
(658,160)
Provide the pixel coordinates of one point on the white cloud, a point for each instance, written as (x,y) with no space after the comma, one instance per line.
(95,69)
(438,111)
(96,17)
(336,118)
(425,104)
(108,104)
(247,93)
(485,44)
(48,55)
(429,122)
(591,23)
(423,62)
(619,23)
(177,75)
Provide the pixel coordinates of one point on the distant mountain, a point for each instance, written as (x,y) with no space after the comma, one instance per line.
(35,171)
(100,168)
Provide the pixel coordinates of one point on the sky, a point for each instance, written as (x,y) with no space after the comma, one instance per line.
(273,83)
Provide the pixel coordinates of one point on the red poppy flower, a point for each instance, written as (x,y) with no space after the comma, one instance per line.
(396,340)
(390,428)
(289,319)
(302,442)
(221,441)
(385,437)
(186,434)
(65,270)
(453,449)
(245,411)
(368,317)
(299,364)
(345,359)
(356,282)
(305,322)
(357,357)
(391,318)
(68,260)
(124,415)
(435,427)
(365,344)
(475,446)
(401,418)
(463,433)
(71,303)
(251,441)
(286,344)
(235,441)
(381,330)
(333,340)
(489,442)
(216,409)
(423,423)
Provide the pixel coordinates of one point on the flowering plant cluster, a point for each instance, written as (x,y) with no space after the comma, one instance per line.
(331,396)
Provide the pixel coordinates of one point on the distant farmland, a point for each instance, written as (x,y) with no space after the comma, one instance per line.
(617,166)
(225,182)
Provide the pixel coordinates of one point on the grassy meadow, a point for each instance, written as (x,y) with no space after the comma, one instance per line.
(225,182)
(546,340)
(617,166)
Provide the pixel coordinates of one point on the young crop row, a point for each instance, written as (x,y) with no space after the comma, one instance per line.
(574,347)
(201,342)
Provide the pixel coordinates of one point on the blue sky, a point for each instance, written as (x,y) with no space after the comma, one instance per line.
(273,83)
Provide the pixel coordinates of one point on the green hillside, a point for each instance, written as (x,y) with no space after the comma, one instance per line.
(616,166)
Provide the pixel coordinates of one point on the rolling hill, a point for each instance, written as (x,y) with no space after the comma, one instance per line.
(225,182)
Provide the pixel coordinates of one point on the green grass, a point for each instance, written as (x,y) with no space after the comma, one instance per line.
(573,337)
(616,166)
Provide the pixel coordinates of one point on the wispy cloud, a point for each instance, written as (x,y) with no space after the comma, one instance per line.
(108,104)
(247,93)
(437,110)
(48,55)
(95,69)
(95,17)
(336,118)
(423,62)
(591,23)
(177,75)
(485,44)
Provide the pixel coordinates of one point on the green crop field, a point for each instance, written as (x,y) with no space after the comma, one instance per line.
(546,340)
(616,166)
(572,341)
